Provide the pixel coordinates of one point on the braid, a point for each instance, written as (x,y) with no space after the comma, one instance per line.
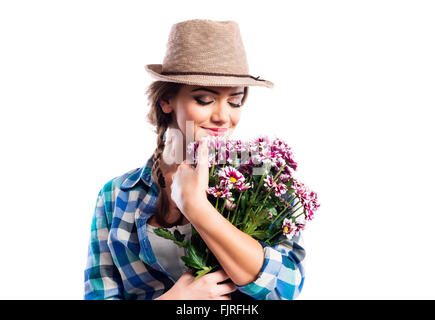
(156,91)
(157,156)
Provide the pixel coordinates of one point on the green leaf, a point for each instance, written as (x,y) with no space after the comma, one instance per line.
(260,234)
(177,237)
(197,257)
(273,211)
(190,263)
(194,258)
(164,233)
(203,271)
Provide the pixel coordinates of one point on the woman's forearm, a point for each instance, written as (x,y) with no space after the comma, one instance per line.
(240,255)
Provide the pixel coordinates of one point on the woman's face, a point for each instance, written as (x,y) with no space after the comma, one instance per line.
(211,110)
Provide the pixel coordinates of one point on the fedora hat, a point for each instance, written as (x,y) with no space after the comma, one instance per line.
(206,52)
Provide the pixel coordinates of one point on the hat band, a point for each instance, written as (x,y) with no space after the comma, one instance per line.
(213,74)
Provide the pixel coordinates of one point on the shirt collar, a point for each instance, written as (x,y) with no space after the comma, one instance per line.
(144,173)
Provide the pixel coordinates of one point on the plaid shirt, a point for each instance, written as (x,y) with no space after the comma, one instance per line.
(121,263)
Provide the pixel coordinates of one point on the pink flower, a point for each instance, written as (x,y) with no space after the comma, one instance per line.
(220,192)
(284,178)
(278,188)
(231,177)
(269,183)
(307,198)
(230,205)
(245,186)
(289,228)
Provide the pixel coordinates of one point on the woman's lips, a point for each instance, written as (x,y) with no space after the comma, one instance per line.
(216,131)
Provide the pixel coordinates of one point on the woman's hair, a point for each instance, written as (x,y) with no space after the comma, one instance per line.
(164,90)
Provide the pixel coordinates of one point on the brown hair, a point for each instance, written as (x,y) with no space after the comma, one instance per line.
(164,90)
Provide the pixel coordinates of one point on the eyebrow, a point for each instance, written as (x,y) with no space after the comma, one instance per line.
(215,92)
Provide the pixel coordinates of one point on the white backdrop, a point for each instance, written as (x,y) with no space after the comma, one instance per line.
(354,96)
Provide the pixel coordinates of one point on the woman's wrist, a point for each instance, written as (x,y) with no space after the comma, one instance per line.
(194,207)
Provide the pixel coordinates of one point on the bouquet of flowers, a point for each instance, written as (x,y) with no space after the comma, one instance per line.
(252,184)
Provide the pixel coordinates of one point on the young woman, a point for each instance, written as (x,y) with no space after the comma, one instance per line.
(201,88)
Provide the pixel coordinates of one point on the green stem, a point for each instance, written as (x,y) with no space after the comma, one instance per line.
(297,210)
(223,206)
(217,201)
(259,184)
(267,195)
(278,173)
(270,238)
(283,210)
(298,214)
(236,210)
(212,167)
(293,212)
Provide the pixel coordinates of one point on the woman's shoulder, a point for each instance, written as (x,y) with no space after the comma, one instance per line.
(135,178)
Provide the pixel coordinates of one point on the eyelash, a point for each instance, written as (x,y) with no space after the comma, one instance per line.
(206,103)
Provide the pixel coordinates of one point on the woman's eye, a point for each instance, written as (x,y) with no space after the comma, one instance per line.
(201,102)
(235,105)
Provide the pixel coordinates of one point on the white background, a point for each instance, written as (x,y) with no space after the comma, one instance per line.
(354,97)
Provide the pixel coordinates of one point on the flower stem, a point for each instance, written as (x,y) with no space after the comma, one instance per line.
(282,211)
(270,238)
(236,211)
(278,173)
(223,206)
(212,167)
(259,184)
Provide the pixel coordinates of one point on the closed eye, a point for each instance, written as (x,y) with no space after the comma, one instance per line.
(204,103)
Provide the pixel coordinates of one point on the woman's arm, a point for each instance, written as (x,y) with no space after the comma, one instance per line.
(240,255)
(263,272)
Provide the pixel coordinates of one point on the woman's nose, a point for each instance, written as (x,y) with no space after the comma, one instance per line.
(221,114)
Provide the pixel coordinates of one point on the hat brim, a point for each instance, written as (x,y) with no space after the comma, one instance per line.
(206,80)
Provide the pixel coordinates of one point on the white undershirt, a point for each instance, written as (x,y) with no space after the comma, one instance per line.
(167,253)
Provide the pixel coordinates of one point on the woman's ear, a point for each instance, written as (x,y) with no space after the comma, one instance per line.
(165,105)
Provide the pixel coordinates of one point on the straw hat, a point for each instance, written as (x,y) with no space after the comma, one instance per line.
(206,52)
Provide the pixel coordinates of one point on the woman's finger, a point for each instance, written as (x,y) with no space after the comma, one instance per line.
(202,155)
(217,276)
(226,288)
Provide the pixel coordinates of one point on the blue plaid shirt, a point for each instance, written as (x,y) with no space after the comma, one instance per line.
(121,263)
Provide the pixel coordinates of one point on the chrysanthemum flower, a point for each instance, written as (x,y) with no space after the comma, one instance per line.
(231,177)
(278,188)
(268,182)
(244,186)
(219,192)
(289,228)
(230,205)
(308,199)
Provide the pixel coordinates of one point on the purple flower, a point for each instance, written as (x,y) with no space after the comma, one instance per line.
(308,199)
(230,205)
(278,188)
(220,192)
(289,228)
(231,177)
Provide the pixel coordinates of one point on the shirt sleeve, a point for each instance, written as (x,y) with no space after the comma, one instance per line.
(282,275)
(102,278)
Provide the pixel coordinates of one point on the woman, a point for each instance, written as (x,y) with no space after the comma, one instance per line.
(202,85)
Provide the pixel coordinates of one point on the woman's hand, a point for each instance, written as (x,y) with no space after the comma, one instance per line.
(207,287)
(189,185)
